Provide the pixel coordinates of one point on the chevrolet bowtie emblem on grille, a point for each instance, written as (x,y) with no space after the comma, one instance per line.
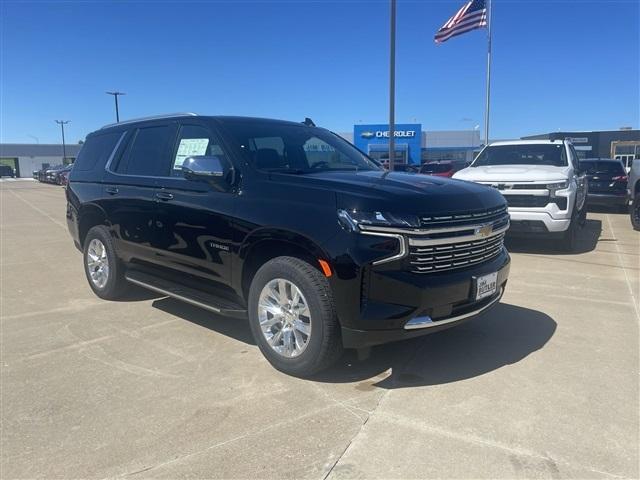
(484,230)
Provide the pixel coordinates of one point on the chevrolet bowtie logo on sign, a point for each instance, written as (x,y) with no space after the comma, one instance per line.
(367,134)
(484,231)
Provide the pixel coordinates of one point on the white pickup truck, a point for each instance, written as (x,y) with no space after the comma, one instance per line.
(542,183)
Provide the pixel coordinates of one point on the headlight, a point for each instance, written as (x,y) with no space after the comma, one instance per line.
(352,219)
(553,187)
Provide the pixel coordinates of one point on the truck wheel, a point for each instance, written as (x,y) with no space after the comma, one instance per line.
(102,266)
(570,237)
(292,317)
(635,212)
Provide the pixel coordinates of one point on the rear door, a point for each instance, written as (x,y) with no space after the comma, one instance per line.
(194,232)
(130,187)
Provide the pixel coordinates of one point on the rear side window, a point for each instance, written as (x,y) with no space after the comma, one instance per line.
(96,150)
(148,152)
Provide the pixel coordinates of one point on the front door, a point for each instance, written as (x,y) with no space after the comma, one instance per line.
(194,221)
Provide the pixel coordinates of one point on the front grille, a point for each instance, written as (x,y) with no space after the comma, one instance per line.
(442,257)
(527,201)
(461,219)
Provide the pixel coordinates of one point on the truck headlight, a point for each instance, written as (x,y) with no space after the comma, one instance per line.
(555,186)
(352,219)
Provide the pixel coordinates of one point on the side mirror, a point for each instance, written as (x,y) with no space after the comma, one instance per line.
(207,168)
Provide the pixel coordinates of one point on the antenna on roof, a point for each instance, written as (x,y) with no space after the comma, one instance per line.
(308,122)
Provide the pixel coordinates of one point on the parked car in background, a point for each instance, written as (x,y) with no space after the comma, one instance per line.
(438,169)
(63,175)
(608,183)
(288,224)
(57,176)
(634,189)
(543,183)
(7,171)
(49,175)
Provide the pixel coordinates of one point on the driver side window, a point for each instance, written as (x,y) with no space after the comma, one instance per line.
(193,140)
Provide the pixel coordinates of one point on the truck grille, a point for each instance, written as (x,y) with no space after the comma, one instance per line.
(460,219)
(438,258)
(525,201)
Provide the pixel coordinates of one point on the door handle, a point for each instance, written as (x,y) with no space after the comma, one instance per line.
(112,190)
(164,196)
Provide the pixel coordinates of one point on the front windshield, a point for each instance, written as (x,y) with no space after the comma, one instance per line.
(529,154)
(297,149)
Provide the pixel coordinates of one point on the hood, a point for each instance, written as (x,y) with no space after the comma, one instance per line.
(513,173)
(402,192)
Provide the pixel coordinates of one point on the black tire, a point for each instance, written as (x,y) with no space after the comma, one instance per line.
(635,212)
(570,237)
(116,283)
(324,344)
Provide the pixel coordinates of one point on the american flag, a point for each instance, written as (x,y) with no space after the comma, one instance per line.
(472,15)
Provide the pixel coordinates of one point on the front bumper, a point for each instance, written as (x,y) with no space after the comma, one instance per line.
(521,218)
(393,302)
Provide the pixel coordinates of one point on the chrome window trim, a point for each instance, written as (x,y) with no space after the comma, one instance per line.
(426,321)
(401,240)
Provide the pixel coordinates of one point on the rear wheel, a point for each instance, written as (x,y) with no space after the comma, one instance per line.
(292,317)
(635,212)
(102,266)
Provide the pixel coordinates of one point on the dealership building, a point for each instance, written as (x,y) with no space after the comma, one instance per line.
(623,144)
(26,158)
(415,146)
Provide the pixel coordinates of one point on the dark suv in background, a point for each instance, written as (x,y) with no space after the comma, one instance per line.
(288,224)
(608,183)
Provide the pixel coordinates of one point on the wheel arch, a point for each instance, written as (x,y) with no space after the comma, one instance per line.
(89,216)
(266,244)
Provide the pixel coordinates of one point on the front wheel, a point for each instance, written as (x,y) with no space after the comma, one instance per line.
(570,237)
(292,317)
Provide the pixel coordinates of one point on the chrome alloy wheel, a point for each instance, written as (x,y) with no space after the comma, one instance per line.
(97,263)
(285,320)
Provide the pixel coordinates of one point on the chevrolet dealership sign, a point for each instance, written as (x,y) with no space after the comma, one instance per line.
(374,137)
(385,134)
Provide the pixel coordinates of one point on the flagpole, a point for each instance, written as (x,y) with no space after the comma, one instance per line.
(488,99)
(392,86)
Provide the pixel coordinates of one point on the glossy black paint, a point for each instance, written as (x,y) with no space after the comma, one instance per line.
(219,237)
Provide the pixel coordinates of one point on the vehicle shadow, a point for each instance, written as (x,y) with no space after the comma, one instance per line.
(235,328)
(135,293)
(503,336)
(588,237)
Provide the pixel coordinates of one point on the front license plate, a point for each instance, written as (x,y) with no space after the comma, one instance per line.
(486,285)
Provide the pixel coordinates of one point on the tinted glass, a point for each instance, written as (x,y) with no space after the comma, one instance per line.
(148,153)
(594,168)
(299,149)
(193,140)
(96,150)
(532,154)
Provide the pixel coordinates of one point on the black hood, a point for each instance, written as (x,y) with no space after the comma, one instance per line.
(403,192)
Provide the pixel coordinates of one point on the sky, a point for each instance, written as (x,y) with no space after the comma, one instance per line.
(557,65)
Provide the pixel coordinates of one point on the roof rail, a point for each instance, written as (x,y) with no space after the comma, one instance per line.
(154,117)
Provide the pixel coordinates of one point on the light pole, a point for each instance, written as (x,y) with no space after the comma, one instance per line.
(62,123)
(392,86)
(115,96)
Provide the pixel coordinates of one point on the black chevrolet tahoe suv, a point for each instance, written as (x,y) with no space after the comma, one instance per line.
(286,224)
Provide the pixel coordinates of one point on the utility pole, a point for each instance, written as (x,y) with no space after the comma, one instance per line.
(392,86)
(115,96)
(62,123)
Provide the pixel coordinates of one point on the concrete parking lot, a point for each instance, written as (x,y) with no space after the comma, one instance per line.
(543,386)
